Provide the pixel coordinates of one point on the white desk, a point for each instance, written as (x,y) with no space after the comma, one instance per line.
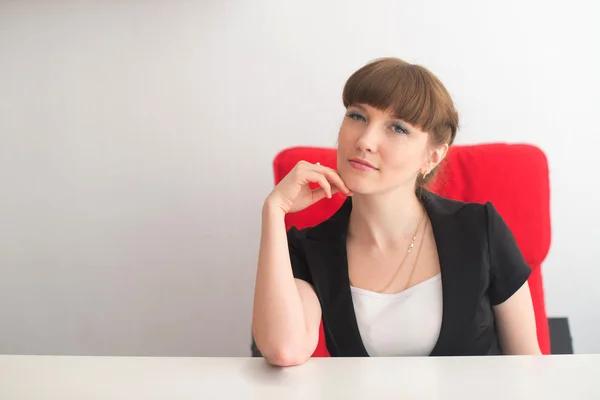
(506,378)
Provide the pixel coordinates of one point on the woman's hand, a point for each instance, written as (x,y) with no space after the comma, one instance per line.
(293,193)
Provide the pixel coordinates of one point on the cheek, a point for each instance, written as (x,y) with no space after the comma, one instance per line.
(404,159)
(343,146)
(345,137)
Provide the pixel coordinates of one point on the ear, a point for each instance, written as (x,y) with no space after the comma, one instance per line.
(436,156)
(439,154)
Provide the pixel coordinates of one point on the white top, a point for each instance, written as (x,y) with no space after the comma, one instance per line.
(143,378)
(407,323)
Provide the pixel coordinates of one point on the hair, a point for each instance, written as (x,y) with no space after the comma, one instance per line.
(411,93)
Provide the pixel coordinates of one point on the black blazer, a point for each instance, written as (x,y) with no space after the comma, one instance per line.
(480,264)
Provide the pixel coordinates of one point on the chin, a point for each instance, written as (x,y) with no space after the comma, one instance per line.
(358,184)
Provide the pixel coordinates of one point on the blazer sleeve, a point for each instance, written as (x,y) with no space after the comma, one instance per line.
(509,270)
(297,258)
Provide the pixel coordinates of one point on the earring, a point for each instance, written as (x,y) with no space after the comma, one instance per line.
(425,174)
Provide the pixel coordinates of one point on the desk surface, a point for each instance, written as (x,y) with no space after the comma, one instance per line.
(131,378)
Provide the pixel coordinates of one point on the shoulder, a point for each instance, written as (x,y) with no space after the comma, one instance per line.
(465,211)
(334,226)
(475,234)
(319,248)
(300,235)
(474,222)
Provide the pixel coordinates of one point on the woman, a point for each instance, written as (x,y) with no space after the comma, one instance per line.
(398,270)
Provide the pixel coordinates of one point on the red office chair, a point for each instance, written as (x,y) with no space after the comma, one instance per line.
(512,176)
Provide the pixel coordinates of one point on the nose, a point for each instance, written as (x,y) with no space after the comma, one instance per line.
(368,141)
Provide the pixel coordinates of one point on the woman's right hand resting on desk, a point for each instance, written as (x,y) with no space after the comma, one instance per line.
(287,312)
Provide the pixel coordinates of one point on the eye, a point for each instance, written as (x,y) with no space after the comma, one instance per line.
(355,116)
(399,128)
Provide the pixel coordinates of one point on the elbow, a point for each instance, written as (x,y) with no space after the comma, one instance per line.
(283,354)
(288,352)
(286,358)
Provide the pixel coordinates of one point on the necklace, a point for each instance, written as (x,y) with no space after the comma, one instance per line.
(411,246)
(413,268)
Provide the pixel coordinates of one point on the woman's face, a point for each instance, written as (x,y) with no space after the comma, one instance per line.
(394,152)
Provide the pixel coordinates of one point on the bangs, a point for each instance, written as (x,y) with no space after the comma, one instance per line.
(409,92)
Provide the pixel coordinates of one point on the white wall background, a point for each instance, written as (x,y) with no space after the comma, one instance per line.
(136,141)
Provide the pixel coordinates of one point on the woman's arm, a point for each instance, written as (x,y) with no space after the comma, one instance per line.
(287,312)
(515,320)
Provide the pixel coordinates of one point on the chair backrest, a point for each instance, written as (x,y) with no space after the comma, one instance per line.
(512,176)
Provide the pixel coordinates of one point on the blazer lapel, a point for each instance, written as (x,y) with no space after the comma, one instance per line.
(460,264)
(326,253)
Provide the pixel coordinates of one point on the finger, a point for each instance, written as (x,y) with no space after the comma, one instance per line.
(320,193)
(333,177)
(313,176)
(325,185)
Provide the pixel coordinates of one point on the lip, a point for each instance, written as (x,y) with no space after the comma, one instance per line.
(362,164)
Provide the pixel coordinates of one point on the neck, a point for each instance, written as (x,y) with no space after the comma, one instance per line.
(383,219)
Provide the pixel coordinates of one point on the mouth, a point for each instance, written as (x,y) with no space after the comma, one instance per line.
(362,165)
